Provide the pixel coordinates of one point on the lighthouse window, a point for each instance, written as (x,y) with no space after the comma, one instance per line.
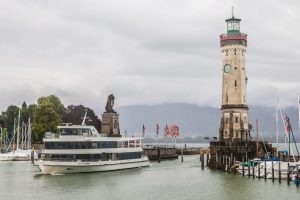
(226,52)
(234,51)
(235,83)
(236,120)
(227,98)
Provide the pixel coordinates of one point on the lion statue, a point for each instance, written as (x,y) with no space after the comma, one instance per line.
(110,104)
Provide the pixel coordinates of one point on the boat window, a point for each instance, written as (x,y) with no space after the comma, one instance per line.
(68,132)
(127,156)
(82,145)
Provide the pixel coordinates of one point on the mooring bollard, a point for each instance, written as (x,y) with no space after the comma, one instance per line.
(279,171)
(253,174)
(272,171)
(265,174)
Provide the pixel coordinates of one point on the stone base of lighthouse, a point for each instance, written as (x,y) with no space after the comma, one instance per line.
(224,153)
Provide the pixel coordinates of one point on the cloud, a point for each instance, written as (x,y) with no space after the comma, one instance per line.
(145,52)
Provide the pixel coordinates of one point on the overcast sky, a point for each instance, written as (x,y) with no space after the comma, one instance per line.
(143,51)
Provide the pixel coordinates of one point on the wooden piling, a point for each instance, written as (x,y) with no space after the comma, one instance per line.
(32,156)
(249,170)
(202,158)
(258,171)
(207,157)
(223,161)
(181,154)
(243,166)
(158,155)
(253,174)
(217,160)
(279,171)
(297,176)
(272,171)
(265,174)
(288,174)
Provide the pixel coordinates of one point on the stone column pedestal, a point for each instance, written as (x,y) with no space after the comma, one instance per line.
(110,124)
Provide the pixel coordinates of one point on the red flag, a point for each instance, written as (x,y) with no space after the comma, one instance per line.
(174,130)
(143,130)
(287,124)
(157,129)
(167,131)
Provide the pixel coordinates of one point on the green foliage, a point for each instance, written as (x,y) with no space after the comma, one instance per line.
(74,114)
(9,116)
(55,102)
(47,116)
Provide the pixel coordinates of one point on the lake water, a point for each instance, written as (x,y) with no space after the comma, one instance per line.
(166,180)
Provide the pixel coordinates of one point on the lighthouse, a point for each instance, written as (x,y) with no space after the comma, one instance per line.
(234,142)
(234,124)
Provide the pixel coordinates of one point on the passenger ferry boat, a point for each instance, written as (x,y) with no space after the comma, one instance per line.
(76,149)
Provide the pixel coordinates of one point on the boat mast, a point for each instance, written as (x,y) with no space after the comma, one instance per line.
(29,135)
(84,118)
(18,130)
(299,113)
(257,138)
(276,116)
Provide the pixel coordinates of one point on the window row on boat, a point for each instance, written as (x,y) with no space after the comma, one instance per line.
(93,157)
(89,145)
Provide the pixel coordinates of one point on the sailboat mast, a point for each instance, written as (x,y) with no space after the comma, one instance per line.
(18,130)
(299,113)
(277,121)
(29,134)
(257,138)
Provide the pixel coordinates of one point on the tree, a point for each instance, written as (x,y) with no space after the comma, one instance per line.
(55,102)
(9,116)
(47,115)
(46,120)
(31,111)
(24,113)
(74,114)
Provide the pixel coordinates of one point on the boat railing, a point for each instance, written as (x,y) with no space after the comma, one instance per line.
(71,160)
(158,146)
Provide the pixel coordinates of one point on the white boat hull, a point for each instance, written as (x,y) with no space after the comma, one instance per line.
(55,168)
(6,157)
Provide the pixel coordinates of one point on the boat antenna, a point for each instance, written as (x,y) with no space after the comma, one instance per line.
(232,11)
(84,118)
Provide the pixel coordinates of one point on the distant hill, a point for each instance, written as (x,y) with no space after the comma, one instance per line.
(195,120)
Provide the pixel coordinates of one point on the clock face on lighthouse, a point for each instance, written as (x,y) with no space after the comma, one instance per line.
(227,68)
